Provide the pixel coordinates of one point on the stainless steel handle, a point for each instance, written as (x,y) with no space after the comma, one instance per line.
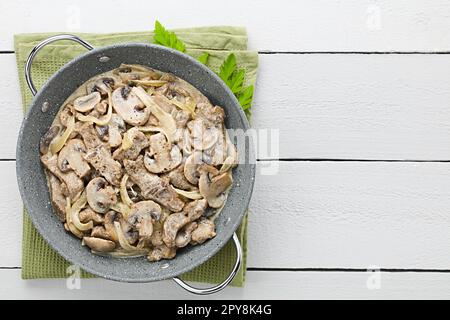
(42,44)
(221,286)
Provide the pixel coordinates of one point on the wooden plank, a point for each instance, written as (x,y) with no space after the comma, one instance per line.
(259,285)
(284,25)
(326,106)
(322,214)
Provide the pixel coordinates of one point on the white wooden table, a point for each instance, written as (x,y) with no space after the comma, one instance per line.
(360,91)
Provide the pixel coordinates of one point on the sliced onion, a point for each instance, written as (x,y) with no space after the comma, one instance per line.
(127,140)
(123,241)
(166,120)
(74,214)
(151,83)
(120,254)
(155,129)
(70,225)
(104,120)
(194,195)
(123,192)
(122,208)
(58,143)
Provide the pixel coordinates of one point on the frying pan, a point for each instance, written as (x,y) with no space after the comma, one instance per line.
(32,181)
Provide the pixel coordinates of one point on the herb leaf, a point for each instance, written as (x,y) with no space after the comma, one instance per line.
(245,97)
(236,81)
(228,67)
(167,38)
(203,58)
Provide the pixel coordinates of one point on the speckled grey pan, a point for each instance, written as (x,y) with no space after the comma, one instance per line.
(32,181)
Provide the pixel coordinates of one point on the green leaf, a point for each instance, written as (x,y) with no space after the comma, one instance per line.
(167,38)
(203,58)
(228,67)
(245,97)
(236,81)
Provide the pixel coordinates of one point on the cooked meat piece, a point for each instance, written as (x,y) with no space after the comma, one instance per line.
(191,212)
(88,214)
(161,252)
(152,186)
(73,183)
(139,142)
(47,138)
(177,179)
(90,137)
(100,158)
(58,198)
(205,230)
(142,216)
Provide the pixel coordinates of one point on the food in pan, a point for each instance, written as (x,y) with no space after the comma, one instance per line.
(138,162)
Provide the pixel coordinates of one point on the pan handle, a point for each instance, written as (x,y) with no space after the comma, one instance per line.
(220,286)
(42,44)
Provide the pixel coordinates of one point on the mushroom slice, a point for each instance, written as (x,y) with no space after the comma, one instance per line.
(103,85)
(71,157)
(163,157)
(115,129)
(152,186)
(47,138)
(129,106)
(205,230)
(100,245)
(161,252)
(190,167)
(142,216)
(213,186)
(174,222)
(73,183)
(203,136)
(104,120)
(100,195)
(185,234)
(87,103)
(165,119)
(100,158)
(124,242)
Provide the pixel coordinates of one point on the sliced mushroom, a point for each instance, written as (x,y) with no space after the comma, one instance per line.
(191,167)
(71,157)
(162,156)
(103,85)
(204,136)
(152,186)
(185,234)
(87,103)
(73,183)
(129,106)
(47,138)
(174,222)
(142,216)
(88,214)
(205,230)
(100,158)
(161,252)
(213,186)
(100,195)
(100,245)
(66,113)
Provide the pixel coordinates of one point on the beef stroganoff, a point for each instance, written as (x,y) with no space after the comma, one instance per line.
(138,163)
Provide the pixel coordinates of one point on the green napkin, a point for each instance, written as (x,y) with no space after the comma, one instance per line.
(38,259)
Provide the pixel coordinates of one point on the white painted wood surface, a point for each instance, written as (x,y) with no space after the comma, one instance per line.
(311,214)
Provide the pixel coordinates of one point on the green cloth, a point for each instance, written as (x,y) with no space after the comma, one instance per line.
(38,259)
